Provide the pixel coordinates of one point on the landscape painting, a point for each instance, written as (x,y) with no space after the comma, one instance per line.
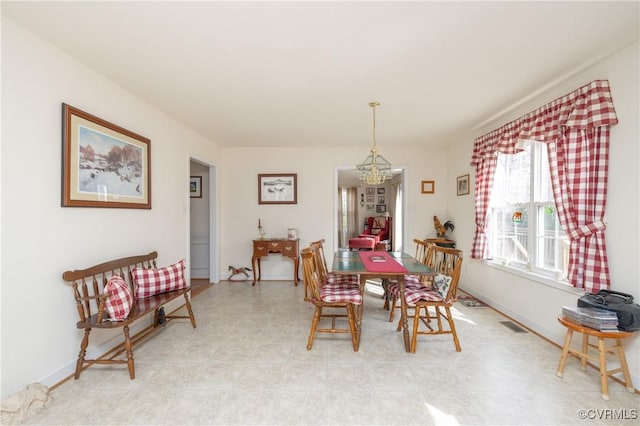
(103,165)
(278,188)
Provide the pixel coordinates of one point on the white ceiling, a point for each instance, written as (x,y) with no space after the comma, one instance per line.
(303,73)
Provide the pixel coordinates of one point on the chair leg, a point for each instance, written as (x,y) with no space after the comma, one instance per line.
(394,300)
(314,325)
(416,321)
(355,332)
(453,329)
(82,353)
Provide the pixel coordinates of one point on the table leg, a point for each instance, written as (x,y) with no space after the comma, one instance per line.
(255,261)
(603,369)
(565,352)
(295,270)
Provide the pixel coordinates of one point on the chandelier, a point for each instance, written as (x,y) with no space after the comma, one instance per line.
(375,169)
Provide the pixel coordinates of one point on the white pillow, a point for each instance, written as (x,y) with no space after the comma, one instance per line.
(441,285)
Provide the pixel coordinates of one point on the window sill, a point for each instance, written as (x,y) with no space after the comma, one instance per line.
(550,282)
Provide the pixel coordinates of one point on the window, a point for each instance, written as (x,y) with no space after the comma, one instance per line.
(523,227)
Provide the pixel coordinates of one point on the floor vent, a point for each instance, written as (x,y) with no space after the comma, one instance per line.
(513,327)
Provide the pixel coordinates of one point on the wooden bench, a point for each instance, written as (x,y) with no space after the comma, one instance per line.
(88,287)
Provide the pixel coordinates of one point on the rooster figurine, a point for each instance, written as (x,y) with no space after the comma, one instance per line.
(441,230)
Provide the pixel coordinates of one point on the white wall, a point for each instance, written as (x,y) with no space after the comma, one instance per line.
(40,239)
(315,214)
(535,304)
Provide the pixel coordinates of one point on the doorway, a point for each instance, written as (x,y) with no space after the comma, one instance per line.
(370,200)
(203,236)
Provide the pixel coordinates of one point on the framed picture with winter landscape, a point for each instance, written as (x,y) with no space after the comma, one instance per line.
(103,165)
(278,188)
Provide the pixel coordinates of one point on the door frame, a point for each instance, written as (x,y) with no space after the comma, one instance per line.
(214,214)
(404,173)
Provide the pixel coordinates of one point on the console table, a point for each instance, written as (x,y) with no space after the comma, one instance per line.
(287,248)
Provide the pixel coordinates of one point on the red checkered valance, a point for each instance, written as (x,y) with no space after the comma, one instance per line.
(587,107)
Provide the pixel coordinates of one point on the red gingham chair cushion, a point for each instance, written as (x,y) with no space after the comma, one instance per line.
(337,293)
(351,279)
(409,281)
(149,282)
(118,304)
(413,294)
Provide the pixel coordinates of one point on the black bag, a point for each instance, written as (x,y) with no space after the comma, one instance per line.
(621,303)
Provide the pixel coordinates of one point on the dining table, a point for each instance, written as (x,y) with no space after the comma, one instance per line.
(393,265)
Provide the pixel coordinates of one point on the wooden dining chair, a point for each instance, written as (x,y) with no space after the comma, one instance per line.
(330,296)
(433,304)
(423,255)
(326,276)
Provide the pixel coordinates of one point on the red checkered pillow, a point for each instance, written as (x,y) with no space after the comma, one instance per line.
(118,304)
(149,282)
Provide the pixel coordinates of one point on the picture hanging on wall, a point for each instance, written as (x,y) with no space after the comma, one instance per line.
(428,187)
(381,208)
(103,165)
(462,184)
(278,188)
(195,187)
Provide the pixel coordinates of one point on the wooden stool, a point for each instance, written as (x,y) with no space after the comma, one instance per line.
(602,353)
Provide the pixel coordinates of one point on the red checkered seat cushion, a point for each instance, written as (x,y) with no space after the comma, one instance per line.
(409,281)
(341,292)
(149,282)
(413,294)
(352,279)
(118,304)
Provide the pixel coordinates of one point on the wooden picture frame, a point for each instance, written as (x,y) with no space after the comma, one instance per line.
(462,185)
(103,165)
(278,188)
(381,208)
(428,186)
(195,187)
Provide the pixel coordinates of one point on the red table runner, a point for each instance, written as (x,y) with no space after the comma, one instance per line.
(381,261)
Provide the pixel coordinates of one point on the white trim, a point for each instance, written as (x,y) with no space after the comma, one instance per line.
(559,285)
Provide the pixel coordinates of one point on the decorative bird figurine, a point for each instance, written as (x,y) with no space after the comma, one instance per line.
(441,230)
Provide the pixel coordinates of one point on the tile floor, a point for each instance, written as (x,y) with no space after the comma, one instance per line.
(246,364)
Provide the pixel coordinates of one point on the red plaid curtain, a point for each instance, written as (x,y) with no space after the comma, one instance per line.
(575,128)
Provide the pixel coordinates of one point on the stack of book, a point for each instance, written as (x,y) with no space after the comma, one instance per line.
(599,319)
